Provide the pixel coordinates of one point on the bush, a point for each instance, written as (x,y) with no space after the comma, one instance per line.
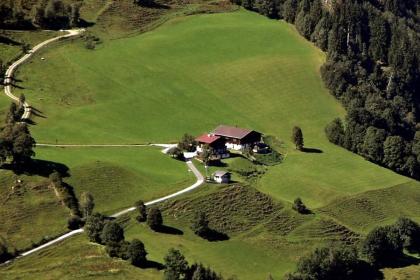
(118,249)
(176,266)
(176,153)
(200,225)
(187,143)
(112,233)
(94,226)
(300,207)
(409,232)
(74,222)
(154,219)
(137,253)
(332,263)
(141,208)
(5,255)
(269,159)
(382,245)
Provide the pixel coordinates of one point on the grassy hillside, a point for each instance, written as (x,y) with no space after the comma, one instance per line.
(30,210)
(117,177)
(191,74)
(240,255)
(364,211)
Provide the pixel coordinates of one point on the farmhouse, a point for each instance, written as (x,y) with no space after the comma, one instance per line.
(238,138)
(217,143)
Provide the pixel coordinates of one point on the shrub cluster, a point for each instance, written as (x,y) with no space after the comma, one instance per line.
(111,234)
(382,246)
(177,268)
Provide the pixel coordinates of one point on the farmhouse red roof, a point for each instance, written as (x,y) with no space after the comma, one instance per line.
(232,132)
(207,139)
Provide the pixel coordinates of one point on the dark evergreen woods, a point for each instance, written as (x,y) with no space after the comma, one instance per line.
(373,68)
(50,14)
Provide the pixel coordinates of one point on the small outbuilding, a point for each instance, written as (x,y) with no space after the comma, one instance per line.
(221,177)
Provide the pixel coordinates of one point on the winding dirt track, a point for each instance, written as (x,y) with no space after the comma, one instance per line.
(27,113)
(10,71)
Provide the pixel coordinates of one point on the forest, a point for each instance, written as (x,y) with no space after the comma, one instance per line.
(372,68)
(47,14)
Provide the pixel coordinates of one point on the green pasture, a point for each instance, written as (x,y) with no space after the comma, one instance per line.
(118,177)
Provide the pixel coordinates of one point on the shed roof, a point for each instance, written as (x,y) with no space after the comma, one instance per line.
(220,173)
(207,138)
(231,131)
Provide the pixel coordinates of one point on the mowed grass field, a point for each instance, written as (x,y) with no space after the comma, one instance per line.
(118,177)
(192,74)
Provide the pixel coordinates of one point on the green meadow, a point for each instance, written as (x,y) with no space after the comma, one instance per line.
(189,75)
(192,74)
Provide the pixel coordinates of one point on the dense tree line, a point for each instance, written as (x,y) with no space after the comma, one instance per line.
(383,246)
(372,67)
(52,14)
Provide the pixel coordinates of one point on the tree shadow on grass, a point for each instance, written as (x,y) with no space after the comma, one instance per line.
(84,23)
(169,230)
(39,167)
(312,151)
(402,261)
(8,41)
(151,265)
(214,235)
(154,5)
(218,163)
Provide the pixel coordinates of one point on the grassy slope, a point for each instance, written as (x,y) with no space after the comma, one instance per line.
(200,71)
(117,177)
(253,68)
(29,212)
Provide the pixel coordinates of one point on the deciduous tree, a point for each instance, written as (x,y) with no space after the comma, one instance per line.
(154,218)
(176,266)
(94,226)
(112,232)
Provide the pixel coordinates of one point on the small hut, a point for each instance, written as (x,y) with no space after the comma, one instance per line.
(221,177)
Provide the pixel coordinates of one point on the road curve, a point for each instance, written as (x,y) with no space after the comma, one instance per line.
(198,183)
(12,68)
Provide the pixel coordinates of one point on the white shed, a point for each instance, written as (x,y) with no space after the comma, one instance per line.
(221,177)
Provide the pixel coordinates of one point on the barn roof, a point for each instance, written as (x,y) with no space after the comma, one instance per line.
(231,131)
(207,138)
